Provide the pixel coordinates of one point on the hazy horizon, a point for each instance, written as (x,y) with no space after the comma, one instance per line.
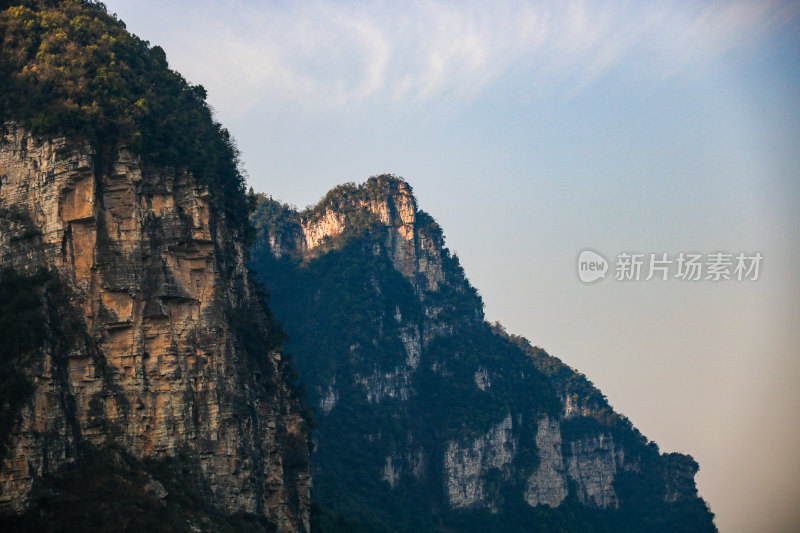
(533,130)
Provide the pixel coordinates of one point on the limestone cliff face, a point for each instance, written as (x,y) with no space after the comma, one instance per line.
(466,467)
(411,240)
(548,484)
(414,252)
(589,464)
(157,282)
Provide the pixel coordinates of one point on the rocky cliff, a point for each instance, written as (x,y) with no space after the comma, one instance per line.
(142,383)
(428,417)
(158,362)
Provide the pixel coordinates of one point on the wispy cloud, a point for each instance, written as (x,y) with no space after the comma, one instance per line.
(326,54)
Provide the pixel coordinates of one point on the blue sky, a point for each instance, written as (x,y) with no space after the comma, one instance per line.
(532,130)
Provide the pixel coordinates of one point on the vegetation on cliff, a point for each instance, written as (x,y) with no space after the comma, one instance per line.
(22,331)
(68,67)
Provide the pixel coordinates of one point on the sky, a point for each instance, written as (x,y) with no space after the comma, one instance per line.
(534,130)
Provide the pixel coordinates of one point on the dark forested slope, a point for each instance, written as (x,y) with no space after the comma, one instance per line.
(429,418)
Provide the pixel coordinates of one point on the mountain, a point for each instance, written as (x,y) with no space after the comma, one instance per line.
(145,383)
(142,385)
(427,417)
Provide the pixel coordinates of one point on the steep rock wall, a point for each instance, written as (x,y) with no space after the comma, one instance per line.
(414,252)
(154,276)
(548,484)
(466,467)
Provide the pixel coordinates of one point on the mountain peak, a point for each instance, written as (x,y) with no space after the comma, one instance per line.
(71,69)
(389,183)
(385,196)
(382,212)
(378,218)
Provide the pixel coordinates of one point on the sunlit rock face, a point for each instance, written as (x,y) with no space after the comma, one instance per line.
(154,276)
(414,252)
